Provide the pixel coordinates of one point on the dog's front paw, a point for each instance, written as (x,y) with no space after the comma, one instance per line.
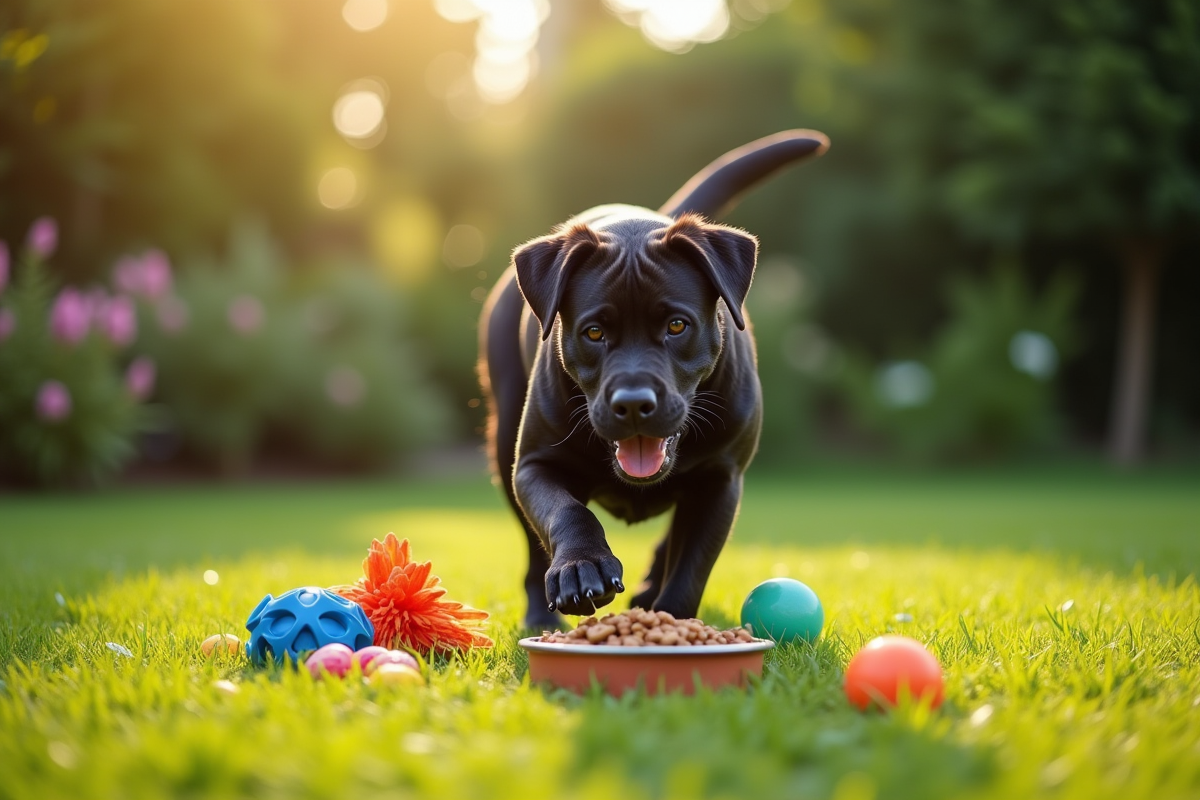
(579,584)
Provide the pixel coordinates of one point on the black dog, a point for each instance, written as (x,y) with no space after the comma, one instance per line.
(618,368)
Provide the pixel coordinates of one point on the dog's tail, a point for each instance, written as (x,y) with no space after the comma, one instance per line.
(716,189)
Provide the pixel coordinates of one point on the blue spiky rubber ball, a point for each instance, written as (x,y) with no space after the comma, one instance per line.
(783,610)
(303,620)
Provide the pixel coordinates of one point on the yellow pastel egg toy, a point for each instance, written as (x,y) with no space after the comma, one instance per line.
(395,675)
(221,643)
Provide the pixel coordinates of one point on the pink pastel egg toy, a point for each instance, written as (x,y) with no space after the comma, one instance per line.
(365,655)
(334,659)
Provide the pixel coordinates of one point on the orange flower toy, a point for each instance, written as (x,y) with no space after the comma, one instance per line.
(407,606)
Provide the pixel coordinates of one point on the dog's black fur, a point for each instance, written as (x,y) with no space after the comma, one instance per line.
(619,369)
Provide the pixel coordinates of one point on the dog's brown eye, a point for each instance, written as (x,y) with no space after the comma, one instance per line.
(594,333)
(676,327)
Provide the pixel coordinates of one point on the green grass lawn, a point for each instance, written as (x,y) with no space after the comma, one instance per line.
(1062,604)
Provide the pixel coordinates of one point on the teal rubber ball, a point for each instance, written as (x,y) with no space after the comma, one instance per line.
(783,610)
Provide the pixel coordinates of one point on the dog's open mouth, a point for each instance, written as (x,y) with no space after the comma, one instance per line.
(644,456)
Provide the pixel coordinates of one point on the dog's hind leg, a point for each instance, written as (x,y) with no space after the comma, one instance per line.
(699,529)
(650,587)
(504,383)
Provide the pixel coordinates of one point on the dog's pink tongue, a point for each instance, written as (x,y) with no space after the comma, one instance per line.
(641,456)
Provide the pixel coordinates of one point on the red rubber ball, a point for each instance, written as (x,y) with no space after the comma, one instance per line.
(876,673)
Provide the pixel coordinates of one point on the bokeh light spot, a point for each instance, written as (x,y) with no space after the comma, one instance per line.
(365,15)
(904,384)
(512,21)
(29,50)
(1034,354)
(624,7)
(463,246)
(505,58)
(501,81)
(62,754)
(457,10)
(406,236)
(358,114)
(211,577)
(675,25)
(338,188)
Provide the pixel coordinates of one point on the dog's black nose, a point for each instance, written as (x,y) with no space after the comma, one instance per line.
(637,403)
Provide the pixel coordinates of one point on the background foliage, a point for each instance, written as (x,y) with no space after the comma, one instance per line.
(1060,139)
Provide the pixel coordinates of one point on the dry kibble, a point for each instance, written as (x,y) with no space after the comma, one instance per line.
(596,633)
(639,628)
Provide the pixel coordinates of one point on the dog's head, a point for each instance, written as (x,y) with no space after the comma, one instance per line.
(638,307)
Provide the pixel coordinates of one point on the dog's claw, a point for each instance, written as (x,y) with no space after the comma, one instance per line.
(589,594)
(552,607)
(616,582)
(575,599)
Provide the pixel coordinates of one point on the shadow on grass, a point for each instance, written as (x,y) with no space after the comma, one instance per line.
(1091,517)
(1088,516)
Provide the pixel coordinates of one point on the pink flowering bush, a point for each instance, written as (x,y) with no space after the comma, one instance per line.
(238,356)
(69,403)
(253,356)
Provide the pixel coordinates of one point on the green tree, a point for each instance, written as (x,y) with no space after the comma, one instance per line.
(136,122)
(1068,122)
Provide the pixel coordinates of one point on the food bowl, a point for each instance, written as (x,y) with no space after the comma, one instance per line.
(654,668)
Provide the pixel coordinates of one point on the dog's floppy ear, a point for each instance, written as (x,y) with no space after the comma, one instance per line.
(544,264)
(726,255)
